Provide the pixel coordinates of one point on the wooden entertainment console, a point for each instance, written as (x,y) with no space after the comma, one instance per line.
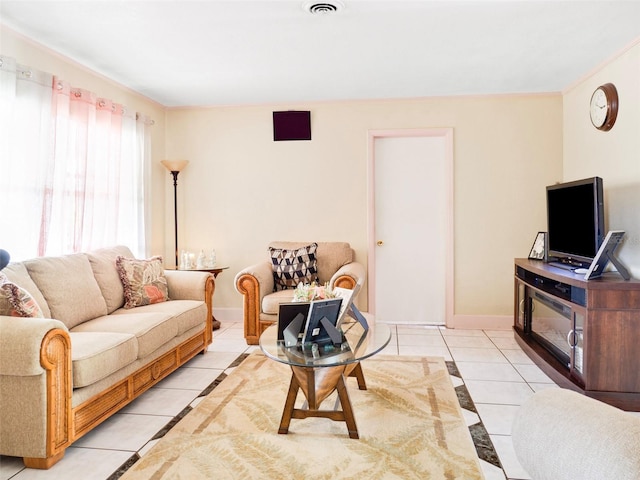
(584,334)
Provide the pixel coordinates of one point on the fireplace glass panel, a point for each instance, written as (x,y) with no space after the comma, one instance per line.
(551,324)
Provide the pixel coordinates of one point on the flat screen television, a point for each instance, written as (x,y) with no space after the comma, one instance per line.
(575,222)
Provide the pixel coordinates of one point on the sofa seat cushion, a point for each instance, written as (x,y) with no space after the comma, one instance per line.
(152,330)
(96,355)
(69,287)
(187,313)
(271,303)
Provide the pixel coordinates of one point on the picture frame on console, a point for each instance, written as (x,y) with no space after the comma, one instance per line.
(606,254)
(539,247)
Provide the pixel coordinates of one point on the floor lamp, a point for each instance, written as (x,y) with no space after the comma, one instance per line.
(175,167)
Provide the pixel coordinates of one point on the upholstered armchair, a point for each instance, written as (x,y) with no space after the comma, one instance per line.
(262,288)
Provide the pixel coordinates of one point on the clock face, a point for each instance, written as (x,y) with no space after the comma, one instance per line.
(603,109)
(599,108)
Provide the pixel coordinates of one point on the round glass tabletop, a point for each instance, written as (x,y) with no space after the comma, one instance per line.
(357,344)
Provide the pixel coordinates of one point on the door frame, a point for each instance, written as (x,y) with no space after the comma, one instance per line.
(447,134)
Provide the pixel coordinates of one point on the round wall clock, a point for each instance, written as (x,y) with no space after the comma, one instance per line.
(604,107)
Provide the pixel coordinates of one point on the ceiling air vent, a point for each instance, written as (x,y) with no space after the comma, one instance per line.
(323,8)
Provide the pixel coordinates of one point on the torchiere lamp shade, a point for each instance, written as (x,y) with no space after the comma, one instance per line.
(174,165)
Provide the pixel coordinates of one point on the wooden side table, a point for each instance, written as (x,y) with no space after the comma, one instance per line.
(215,271)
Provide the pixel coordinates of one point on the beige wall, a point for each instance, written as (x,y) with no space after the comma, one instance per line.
(243,190)
(34,55)
(612,155)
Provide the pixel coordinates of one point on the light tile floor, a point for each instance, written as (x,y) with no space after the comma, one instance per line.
(497,374)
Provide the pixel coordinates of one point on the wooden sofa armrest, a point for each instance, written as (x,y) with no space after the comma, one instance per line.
(254,283)
(36,386)
(348,276)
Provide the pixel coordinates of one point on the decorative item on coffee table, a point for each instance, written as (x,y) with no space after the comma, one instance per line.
(307,292)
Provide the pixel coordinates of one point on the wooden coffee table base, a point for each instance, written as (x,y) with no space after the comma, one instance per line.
(317,383)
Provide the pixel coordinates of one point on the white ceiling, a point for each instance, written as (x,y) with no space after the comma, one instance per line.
(213,52)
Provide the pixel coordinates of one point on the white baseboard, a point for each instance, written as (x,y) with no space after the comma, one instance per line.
(482,322)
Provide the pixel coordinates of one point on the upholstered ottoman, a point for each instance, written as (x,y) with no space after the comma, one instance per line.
(559,434)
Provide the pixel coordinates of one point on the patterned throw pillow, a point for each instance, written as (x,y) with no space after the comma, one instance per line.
(291,267)
(16,301)
(143,281)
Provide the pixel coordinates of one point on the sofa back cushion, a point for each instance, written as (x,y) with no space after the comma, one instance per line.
(330,256)
(69,287)
(18,274)
(103,264)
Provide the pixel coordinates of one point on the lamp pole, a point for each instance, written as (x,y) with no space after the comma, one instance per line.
(175,166)
(175,210)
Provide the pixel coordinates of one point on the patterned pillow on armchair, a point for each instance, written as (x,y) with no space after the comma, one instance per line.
(291,267)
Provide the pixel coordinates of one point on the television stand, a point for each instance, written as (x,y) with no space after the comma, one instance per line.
(564,266)
(583,334)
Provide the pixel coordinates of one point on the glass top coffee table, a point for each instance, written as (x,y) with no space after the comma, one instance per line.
(319,371)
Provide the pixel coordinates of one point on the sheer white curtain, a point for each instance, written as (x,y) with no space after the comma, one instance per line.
(26,151)
(76,167)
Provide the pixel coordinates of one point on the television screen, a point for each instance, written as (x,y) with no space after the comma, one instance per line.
(575,221)
(291,125)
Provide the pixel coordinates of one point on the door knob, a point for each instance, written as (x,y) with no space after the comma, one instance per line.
(380,243)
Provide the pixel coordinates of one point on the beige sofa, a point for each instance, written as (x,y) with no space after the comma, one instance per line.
(335,265)
(63,374)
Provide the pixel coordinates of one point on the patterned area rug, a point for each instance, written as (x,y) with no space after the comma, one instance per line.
(409,420)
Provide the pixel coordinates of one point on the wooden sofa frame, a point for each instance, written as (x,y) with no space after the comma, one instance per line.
(66,424)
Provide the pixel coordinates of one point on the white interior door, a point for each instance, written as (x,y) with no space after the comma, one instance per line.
(412,196)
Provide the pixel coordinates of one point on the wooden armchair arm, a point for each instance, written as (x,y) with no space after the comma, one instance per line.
(348,276)
(254,283)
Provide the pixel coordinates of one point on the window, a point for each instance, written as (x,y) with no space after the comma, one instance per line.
(73,167)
